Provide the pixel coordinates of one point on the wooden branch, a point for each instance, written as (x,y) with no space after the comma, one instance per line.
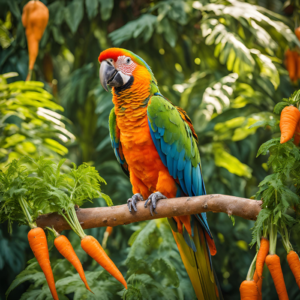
(120,215)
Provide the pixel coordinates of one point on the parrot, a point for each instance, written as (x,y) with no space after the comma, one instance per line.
(155,143)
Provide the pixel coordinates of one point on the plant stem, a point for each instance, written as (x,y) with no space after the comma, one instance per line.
(24,207)
(53,231)
(273,237)
(71,218)
(76,223)
(69,221)
(285,238)
(251,269)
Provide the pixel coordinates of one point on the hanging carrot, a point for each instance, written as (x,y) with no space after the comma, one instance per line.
(261,256)
(248,290)
(295,57)
(38,244)
(259,282)
(291,64)
(297,32)
(35,17)
(65,248)
(109,230)
(297,134)
(294,264)
(92,247)
(273,263)
(297,66)
(289,118)
(107,233)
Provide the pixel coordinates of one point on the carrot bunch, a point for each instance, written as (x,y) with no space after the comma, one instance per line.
(290,124)
(292,60)
(35,18)
(251,288)
(92,247)
(38,243)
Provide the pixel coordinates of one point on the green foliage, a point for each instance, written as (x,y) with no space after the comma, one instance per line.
(29,124)
(279,190)
(68,282)
(29,188)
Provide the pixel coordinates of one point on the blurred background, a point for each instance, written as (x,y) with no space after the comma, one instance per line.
(221,61)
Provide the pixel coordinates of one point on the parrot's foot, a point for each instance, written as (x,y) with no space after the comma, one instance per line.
(131,202)
(153,198)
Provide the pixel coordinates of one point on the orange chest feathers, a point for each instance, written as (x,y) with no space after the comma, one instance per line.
(140,152)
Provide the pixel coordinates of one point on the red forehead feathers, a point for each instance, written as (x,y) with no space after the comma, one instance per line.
(113,53)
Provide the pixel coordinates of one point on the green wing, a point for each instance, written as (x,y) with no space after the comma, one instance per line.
(177,148)
(176,145)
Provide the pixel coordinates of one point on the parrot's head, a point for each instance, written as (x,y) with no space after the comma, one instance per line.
(121,68)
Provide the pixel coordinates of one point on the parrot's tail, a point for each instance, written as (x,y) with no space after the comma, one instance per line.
(194,252)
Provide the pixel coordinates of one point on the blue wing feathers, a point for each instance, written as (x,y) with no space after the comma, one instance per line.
(180,174)
(188,177)
(181,161)
(182,185)
(170,164)
(157,136)
(165,148)
(195,179)
(161,131)
(175,171)
(173,150)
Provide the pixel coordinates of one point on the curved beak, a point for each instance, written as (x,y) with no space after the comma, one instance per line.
(110,76)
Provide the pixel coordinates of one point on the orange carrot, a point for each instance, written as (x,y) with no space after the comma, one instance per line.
(297,66)
(291,64)
(35,17)
(297,32)
(295,57)
(294,264)
(289,118)
(248,290)
(259,285)
(38,244)
(109,229)
(297,134)
(273,263)
(92,247)
(261,256)
(65,248)
(107,233)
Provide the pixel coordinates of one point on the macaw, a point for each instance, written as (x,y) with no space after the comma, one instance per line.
(156,145)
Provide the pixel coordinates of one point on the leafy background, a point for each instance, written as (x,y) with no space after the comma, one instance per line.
(222,61)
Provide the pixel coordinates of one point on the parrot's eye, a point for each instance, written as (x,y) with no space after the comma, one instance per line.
(128,60)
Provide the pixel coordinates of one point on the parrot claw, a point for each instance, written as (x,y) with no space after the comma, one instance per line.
(153,198)
(131,202)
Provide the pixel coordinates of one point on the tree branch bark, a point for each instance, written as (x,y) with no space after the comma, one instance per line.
(120,215)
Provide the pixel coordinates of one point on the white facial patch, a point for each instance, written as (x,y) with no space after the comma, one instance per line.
(125,64)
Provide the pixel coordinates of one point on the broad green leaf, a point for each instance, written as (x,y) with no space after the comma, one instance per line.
(74,14)
(92,8)
(143,26)
(106,7)
(229,162)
